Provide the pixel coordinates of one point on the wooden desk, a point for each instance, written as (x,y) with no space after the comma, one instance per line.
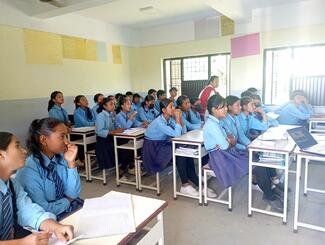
(303,155)
(135,142)
(193,138)
(317,124)
(87,136)
(145,210)
(284,147)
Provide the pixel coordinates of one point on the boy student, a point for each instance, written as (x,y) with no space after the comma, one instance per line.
(173,94)
(161,95)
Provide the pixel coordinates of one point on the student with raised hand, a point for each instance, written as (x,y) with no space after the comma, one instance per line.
(231,124)
(297,111)
(83,115)
(173,94)
(104,129)
(260,108)
(251,126)
(55,107)
(50,176)
(161,95)
(98,98)
(157,148)
(147,111)
(190,121)
(16,208)
(196,108)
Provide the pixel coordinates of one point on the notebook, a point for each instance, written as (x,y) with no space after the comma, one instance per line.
(306,141)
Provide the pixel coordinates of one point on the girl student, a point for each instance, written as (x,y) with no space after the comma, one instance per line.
(50,175)
(196,107)
(105,127)
(147,111)
(98,98)
(17,209)
(260,107)
(229,164)
(157,148)
(191,122)
(55,107)
(83,115)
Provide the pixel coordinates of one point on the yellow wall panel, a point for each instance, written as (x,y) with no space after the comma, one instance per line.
(91,50)
(117,57)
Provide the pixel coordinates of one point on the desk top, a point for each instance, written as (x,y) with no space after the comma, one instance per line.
(132,132)
(83,130)
(276,145)
(145,210)
(194,136)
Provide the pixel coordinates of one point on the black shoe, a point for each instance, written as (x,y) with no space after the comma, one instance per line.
(275,203)
(281,187)
(278,193)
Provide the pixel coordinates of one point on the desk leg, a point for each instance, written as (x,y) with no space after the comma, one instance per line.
(116,163)
(85,158)
(136,169)
(250,183)
(286,180)
(306,176)
(295,222)
(160,220)
(200,175)
(174,170)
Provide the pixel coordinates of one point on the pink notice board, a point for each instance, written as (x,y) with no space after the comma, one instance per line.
(245,45)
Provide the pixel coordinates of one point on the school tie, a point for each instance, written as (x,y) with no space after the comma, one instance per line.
(7,214)
(64,116)
(247,125)
(59,187)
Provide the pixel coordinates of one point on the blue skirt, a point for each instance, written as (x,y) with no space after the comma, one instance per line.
(156,154)
(229,165)
(105,152)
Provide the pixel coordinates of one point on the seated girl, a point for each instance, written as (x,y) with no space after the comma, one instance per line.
(196,107)
(157,148)
(191,122)
(50,175)
(147,111)
(260,108)
(55,107)
(83,115)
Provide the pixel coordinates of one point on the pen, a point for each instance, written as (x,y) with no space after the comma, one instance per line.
(29,228)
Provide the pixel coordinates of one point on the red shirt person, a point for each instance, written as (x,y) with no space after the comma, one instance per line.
(207,92)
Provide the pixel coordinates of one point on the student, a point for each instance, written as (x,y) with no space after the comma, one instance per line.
(83,116)
(190,121)
(16,208)
(136,102)
(260,107)
(246,93)
(153,93)
(252,90)
(251,126)
(98,98)
(147,111)
(50,176)
(173,94)
(231,124)
(55,107)
(104,129)
(297,111)
(157,148)
(161,95)
(196,108)
(206,93)
(229,164)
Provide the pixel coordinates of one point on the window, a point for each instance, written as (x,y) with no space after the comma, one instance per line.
(191,74)
(291,68)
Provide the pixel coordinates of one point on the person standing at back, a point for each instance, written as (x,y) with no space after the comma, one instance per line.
(206,93)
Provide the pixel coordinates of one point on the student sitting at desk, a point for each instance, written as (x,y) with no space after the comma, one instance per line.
(55,107)
(136,102)
(161,95)
(83,116)
(251,126)
(173,94)
(104,129)
(260,108)
(231,125)
(16,208)
(229,164)
(196,108)
(191,122)
(157,148)
(50,176)
(297,111)
(147,111)
(153,93)
(98,98)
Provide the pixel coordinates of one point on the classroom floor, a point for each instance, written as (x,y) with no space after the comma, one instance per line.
(185,222)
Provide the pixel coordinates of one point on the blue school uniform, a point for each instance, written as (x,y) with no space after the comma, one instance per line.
(249,122)
(227,163)
(42,188)
(135,107)
(190,120)
(94,109)
(148,115)
(272,122)
(29,213)
(290,114)
(157,105)
(231,125)
(81,119)
(59,113)
(122,121)
(104,123)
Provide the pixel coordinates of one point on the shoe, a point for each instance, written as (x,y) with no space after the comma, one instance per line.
(255,187)
(143,171)
(276,204)
(189,190)
(278,193)
(211,193)
(131,171)
(124,178)
(121,173)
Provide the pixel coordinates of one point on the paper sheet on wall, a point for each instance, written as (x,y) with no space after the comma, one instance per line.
(245,45)
(42,47)
(227,26)
(91,50)
(74,47)
(117,57)
(101,51)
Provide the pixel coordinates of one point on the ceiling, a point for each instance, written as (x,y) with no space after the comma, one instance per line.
(159,12)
